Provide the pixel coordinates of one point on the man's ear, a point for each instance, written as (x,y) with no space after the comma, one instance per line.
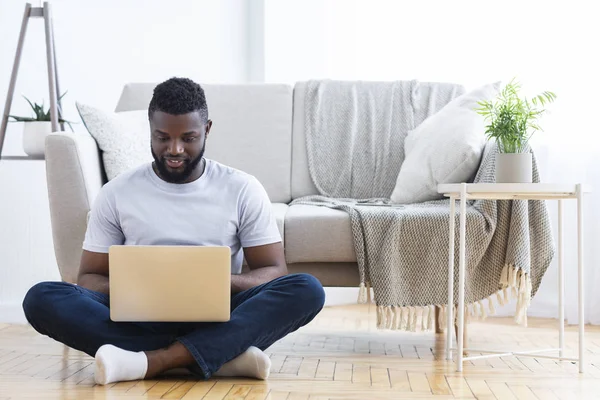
(208,126)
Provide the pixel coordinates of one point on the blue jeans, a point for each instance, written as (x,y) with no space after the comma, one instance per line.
(80,318)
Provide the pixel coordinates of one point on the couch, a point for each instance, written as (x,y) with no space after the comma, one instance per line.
(257,128)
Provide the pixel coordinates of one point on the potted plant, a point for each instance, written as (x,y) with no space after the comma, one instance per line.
(512,122)
(36,128)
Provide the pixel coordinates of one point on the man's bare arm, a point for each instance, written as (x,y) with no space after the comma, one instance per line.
(93,271)
(265,262)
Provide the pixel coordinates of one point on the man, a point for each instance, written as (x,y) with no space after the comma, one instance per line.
(181,198)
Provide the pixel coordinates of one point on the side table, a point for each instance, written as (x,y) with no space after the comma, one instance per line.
(512,191)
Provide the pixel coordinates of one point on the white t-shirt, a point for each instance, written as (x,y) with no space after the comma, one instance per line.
(224,207)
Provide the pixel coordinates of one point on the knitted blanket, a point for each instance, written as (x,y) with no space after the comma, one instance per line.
(355,136)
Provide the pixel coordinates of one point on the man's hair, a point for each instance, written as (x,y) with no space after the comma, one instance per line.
(178,96)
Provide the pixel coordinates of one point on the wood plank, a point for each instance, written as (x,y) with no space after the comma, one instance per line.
(181,388)
(531,363)
(346,344)
(277,361)
(424,353)
(30,362)
(513,363)
(392,349)
(459,387)
(298,396)
(565,394)
(480,389)
(418,382)
(501,390)
(409,351)
(160,389)
(81,375)
(380,378)
(70,370)
(141,387)
(543,393)
(124,386)
(9,355)
(522,392)
(198,390)
(87,382)
(376,348)
(325,370)
(218,391)
(258,393)
(308,368)
(361,374)
(399,380)
(38,366)
(438,384)
(14,360)
(291,365)
(238,392)
(277,395)
(54,368)
(343,372)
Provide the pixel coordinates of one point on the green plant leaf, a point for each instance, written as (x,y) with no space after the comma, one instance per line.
(512,119)
(32,107)
(21,119)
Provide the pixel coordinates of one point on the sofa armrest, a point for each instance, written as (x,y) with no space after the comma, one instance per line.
(74,175)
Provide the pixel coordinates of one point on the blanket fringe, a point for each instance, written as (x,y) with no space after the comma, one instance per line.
(364,293)
(513,283)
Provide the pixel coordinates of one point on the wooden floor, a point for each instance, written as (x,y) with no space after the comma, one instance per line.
(338,356)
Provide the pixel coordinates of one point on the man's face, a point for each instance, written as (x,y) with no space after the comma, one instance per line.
(177,144)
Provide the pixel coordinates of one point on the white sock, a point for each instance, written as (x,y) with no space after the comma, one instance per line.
(252,363)
(115,365)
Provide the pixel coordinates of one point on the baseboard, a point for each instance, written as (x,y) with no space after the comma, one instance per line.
(12,313)
(337,296)
(536,310)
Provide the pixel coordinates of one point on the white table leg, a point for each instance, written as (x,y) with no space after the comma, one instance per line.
(450,324)
(561,282)
(580,291)
(461,277)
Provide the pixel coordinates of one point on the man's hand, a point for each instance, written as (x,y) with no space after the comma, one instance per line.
(265,262)
(93,271)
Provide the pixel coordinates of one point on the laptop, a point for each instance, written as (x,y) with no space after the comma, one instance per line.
(170,283)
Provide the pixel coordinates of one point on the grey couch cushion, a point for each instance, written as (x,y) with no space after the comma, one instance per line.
(252,129)
(318,234)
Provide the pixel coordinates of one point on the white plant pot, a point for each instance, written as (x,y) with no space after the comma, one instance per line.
(513,168)
(34,137)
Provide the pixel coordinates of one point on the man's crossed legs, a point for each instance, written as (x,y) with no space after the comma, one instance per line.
(80,318)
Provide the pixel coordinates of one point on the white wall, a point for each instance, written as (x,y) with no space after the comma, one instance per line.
(101,45)
(470,42)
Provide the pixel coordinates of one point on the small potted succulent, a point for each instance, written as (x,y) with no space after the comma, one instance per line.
(36,128)
(512,122)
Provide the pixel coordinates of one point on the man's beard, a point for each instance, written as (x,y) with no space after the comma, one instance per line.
(176,176)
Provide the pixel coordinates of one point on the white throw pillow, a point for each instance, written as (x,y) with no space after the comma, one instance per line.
(123,138)
(446,148)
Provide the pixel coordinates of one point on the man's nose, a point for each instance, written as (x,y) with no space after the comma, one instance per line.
(176,147)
